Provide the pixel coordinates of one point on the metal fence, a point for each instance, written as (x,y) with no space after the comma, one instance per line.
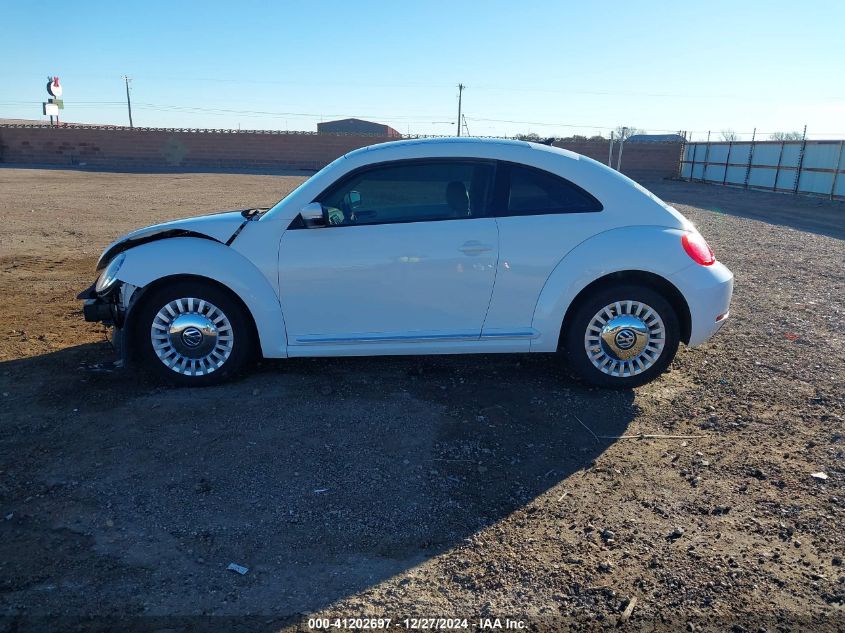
(808,167)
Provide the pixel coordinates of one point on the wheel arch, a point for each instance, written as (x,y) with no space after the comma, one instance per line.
(646,254)
(640,277)
(142,294)
(151,265)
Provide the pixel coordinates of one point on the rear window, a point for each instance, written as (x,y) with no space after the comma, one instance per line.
(536,192)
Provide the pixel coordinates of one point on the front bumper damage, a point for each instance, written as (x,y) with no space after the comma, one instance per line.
(112,309)
(97,309)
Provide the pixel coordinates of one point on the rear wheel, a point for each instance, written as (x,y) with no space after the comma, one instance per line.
(193,333)
(622,336)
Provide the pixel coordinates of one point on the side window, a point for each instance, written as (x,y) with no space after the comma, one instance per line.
(536,192)
(416,191)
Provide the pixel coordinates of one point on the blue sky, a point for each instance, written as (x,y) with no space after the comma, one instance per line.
(554,68)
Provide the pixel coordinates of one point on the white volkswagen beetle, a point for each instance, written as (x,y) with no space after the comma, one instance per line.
(439,246)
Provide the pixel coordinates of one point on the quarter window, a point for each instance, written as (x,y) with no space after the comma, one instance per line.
(411,192)
(535,192)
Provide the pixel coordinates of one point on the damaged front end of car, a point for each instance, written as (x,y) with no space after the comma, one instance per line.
(108,301)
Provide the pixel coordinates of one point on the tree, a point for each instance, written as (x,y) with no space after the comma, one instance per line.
(625,132)
(729,135)
(529,136)
(786,136)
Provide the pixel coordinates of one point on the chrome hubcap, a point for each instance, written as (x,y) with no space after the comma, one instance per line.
(625,338)
(192,336)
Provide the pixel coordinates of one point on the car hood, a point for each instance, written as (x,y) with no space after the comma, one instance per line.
(216,226)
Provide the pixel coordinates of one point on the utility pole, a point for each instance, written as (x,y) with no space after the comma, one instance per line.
(128,101)
(621,145)
(460,91)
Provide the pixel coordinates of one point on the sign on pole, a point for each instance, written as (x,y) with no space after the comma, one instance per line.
(53,88)
(55,103)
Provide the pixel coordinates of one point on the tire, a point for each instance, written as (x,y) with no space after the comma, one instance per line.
(636,343)
(193,333)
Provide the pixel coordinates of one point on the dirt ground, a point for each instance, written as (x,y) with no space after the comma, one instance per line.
(462,487)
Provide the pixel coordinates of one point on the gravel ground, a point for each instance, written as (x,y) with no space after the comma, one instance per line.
(463,487)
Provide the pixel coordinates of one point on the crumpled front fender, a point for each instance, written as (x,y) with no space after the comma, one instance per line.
(215,226)
(152,261)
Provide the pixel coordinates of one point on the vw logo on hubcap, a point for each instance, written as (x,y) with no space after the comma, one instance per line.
(625,339)
(191,337)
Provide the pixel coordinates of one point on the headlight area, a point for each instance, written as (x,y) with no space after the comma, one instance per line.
(108,277)
(107,299)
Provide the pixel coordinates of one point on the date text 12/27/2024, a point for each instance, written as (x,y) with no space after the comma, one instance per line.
(417,624)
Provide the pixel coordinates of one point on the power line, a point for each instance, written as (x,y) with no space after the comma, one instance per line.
(613,127)
(180,108)
(482,87)
(413,118)
(662,95)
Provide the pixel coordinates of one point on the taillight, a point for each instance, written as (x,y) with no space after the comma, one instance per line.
(698,249)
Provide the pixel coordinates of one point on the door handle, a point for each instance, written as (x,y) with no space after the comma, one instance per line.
(474,247)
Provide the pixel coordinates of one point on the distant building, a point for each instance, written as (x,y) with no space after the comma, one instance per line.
(655,138)
(356,126)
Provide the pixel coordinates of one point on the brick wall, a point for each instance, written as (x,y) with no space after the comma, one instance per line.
(153,148)
(640,161)
(142,148)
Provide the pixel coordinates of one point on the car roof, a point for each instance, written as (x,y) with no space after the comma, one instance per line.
(500,148)
(433,143)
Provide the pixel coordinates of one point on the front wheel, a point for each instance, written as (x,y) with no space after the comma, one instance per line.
(193,333)
(622,336)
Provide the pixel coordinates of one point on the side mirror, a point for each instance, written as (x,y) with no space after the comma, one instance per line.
(313,215)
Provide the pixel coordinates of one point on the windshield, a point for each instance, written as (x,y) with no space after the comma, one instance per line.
(305,182)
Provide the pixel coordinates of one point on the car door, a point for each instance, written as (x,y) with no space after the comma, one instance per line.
(541,217)
(408,255)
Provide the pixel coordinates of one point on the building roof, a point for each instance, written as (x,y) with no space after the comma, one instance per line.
(356,126)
